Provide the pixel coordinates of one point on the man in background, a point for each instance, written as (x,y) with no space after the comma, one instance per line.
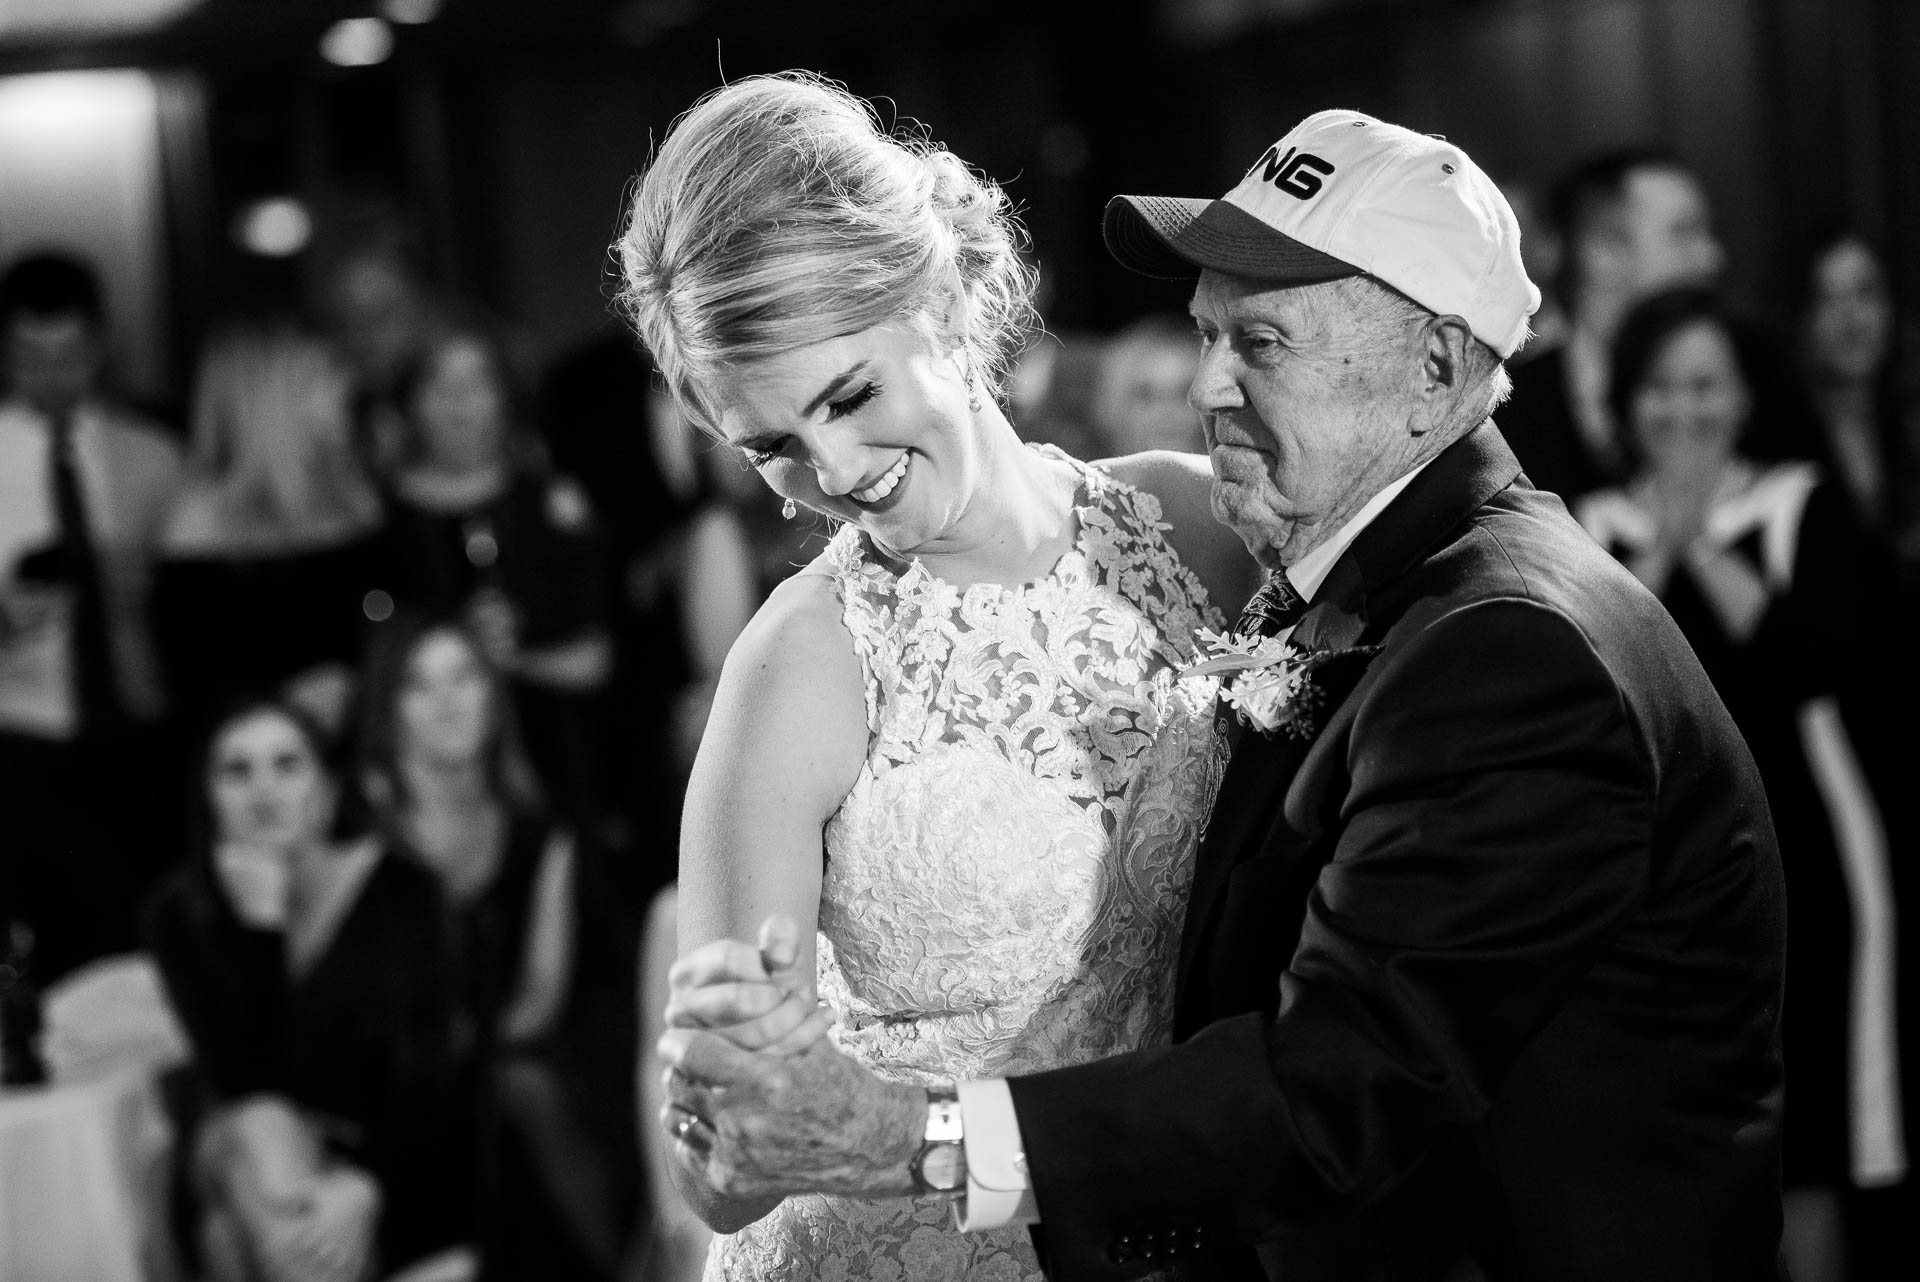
(1631,223)
(84,484)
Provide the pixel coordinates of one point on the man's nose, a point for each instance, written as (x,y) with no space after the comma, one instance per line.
(1216,383)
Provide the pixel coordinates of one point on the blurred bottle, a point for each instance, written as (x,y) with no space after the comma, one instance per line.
(20,1062)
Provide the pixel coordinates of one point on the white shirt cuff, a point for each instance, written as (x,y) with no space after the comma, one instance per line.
(998,1193)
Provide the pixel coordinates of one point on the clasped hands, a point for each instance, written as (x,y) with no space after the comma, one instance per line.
(760,1102)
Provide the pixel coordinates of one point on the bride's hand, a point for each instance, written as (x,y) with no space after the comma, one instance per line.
(757,998)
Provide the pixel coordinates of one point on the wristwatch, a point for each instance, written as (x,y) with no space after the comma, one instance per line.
(940,1167)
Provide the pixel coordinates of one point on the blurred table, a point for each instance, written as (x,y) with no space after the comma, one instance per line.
(83,1182)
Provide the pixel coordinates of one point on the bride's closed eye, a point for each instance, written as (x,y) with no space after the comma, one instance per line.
(842,408)
(760,456)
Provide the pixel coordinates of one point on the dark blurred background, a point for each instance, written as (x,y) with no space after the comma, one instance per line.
(501,133)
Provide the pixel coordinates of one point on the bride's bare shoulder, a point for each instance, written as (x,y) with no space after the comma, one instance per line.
(800,628)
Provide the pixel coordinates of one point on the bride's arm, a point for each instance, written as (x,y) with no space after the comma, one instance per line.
(783,744)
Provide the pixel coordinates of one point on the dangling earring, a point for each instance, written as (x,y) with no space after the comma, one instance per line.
(973,392)
(789,509)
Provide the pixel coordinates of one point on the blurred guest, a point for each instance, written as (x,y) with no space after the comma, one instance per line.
(376,308)
(481,523)
(608,426)
(271,553)
(1631,222)
(1851,346)
(1140,394)
(1049,388)
(1050,392)
(310,970)
(84,484)
(543,951)
(1867,399)
(740,545)
(1760,564)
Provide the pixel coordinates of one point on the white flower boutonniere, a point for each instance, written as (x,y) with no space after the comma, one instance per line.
(1272,686)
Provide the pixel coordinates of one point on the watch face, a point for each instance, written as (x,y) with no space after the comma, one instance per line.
(943,1167)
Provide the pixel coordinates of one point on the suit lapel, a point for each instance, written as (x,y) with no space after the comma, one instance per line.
(1247,814)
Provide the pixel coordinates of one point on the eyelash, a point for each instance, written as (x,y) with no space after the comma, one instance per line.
(840,409)
(835,410)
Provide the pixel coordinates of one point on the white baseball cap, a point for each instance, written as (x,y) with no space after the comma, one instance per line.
(1345,194)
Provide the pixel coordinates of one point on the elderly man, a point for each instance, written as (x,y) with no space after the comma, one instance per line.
(1483,956)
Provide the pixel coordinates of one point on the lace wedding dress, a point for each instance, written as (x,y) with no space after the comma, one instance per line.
(1006,880)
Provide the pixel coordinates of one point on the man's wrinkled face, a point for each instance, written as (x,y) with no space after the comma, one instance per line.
(1306,403)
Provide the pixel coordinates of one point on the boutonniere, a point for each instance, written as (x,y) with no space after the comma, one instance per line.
(1272,686)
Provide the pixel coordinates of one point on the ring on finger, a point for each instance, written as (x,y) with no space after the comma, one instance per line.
(687,1124)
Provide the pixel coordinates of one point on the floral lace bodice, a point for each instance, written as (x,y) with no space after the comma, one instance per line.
(1007,878)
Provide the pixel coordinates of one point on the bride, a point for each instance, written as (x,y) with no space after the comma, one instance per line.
(956,748)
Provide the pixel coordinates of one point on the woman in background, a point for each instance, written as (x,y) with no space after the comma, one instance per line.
(541,950)
(269,559)
(310,971)
(480,524)
(1859,361)
(1867,403)
(1761,566)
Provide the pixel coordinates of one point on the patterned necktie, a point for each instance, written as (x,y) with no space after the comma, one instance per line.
(1275,606)
(95,685)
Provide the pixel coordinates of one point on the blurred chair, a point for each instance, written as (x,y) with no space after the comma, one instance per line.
(456,1264)
(85,1160)
(110,1016)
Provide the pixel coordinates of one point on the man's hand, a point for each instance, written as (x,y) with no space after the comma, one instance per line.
(768,1125)
(760,1104)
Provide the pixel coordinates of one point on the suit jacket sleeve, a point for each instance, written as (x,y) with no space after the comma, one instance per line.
(1492,837)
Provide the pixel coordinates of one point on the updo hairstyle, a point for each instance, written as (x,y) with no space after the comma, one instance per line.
(779,213)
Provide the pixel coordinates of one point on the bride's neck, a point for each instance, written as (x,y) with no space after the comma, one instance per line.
(1018,522)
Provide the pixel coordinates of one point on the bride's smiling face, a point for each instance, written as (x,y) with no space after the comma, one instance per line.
(873,428)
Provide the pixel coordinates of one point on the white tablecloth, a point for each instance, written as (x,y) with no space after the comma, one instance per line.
(83,1179)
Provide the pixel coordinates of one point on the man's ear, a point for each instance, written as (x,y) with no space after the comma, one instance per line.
(1444,343)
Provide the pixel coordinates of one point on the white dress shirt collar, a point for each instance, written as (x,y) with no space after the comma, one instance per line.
(1311,570)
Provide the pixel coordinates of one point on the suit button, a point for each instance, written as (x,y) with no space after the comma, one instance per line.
(1121,1251)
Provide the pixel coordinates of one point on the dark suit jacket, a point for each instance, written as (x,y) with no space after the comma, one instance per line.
(1490,966)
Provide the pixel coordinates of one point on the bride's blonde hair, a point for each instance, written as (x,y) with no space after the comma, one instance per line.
(779,212)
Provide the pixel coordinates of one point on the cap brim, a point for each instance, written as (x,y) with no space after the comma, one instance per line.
(1173,237)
